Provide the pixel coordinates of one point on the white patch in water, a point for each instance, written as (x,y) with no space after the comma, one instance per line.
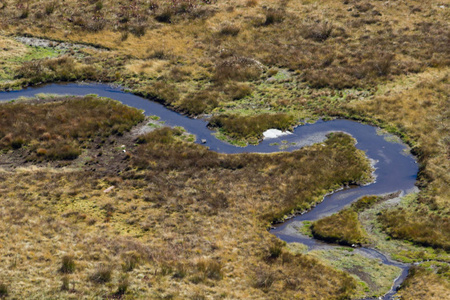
(274,133)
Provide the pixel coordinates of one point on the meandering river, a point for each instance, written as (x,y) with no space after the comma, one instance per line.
(395,169)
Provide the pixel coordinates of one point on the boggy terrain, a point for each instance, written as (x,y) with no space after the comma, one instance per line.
(383,62)
(175,221)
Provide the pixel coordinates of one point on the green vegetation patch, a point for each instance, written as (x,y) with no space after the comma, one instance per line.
(374,278)
(56,130)
(35,53)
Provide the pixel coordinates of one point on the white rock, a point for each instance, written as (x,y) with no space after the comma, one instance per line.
(109,189)
(274,133)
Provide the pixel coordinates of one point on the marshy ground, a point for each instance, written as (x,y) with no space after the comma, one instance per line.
(261,64)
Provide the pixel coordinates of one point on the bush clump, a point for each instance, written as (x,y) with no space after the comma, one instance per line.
(67,264)
(237,69)
(230,29)
(3,290)
(102,275)
(237,91)
(273,16)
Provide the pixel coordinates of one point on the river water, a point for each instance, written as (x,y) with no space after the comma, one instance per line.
(395,169)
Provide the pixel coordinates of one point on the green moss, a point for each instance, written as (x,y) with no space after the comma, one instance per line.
(36,53)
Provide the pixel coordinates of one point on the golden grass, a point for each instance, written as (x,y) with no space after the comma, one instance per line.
(206,236)
(420,113)
(342,228)
(11,49)
(430,281)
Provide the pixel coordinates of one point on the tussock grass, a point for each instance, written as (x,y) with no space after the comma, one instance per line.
(68,265)
(3,290)
(102,275)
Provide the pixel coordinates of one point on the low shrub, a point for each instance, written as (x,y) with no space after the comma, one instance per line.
(67,264)
(273,16)
(318,32)
(3,290)
(230,29)
(50,7)
(165,16)
(102,275)
(238,69)
(238,91)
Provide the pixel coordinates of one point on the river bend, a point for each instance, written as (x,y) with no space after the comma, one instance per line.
(395,169)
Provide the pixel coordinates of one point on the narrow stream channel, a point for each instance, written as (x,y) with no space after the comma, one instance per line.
(395,169)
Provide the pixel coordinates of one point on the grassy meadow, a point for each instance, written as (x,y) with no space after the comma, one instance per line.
(246,66)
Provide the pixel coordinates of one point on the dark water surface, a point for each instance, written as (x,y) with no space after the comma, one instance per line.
(395,168)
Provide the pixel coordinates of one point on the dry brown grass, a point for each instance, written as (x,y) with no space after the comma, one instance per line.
(427,282)
(331,43)
(209,233)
